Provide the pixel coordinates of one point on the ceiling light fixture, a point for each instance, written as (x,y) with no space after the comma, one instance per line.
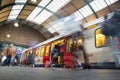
(8,35)
(16,24)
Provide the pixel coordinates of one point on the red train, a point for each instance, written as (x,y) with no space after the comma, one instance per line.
(42,51)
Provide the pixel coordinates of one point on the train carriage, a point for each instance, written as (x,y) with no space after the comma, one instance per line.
(96,45)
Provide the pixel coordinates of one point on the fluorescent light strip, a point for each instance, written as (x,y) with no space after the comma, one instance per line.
(16,9)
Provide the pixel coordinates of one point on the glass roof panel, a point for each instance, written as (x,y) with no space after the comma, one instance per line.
(16,9)
(14,12)
(77,16)
(12,17)
(100,4)
(109,2)
(44,2)
(54,6)
(42,17)
(51,30)
(57,4)
(20,1)
(34,13)
(97,4)
(85,11)
(72,23)
(94,6)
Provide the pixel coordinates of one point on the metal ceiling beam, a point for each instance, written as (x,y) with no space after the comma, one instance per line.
(22,9)
(86,1)
(108,6)
(43,9)
(8,5)
(10,11)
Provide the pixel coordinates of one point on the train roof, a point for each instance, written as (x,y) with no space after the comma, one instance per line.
(47,41)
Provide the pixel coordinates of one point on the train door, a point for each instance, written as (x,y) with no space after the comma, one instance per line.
(58,42)
(69,54)
(46,56)
(38,57)
(25,57)
(42,52)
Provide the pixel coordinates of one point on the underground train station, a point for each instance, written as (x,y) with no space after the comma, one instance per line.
(59,39)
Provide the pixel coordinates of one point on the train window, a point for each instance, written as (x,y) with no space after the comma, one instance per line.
(42,51)
(100,39)
(47,50)
(69,45)
(79,42)
(57,42)
(37,52)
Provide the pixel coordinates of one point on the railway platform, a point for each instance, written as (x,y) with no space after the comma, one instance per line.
(29,73)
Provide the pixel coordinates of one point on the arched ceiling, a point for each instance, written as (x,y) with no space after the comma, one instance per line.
(40,14)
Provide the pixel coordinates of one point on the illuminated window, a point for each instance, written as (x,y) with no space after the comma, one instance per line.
(47,50)
(100,38)
(60,41)
(80,41)
(42,51)
(37,53)
(70,45)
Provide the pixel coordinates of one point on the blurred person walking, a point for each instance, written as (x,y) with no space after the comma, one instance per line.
(10,54)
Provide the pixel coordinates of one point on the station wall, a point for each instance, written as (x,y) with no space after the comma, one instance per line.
(23,35)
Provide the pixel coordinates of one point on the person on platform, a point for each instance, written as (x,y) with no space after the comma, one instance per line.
(61,55)
(18,55)
(55,53)
(10,54)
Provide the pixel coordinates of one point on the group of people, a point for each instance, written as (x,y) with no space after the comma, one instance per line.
(58,50)
(12,56)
